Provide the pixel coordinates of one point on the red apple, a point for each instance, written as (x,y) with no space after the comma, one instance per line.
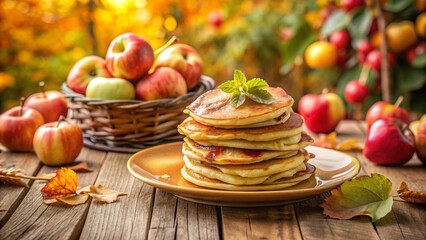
(420,137)
(340,39)
(356,92)
(129,56)
(58,143)
(84,71)
(382,109)
(374,60)
(389,142)
(184,59)
(51,104)
(348,5)
(164,82)
(215,19)
(18,126)
(322,113)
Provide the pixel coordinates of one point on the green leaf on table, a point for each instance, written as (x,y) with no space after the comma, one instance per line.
(363,195)
(240,88)
(337,21)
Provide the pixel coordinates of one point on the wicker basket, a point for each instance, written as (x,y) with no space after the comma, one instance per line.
(130,125)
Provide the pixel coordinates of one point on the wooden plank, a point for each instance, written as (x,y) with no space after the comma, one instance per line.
(35,220)
(11,196)
(260,223)
(129,217)
(176,218)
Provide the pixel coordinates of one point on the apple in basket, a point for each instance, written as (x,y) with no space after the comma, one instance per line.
(164,82)
(58,143)
(18,126)
(129,56)
(84,71)
(51,104)
(110,89)
(184,59)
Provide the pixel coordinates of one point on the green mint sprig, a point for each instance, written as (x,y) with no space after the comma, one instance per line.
(240,88)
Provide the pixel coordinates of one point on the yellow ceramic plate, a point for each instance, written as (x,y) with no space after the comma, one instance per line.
(160,167)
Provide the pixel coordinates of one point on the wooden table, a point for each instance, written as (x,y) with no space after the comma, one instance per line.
(155,214)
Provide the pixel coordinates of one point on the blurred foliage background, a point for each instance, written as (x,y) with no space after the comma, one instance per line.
(42,39)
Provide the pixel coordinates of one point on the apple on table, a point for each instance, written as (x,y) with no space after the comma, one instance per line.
(58,143)
(51,104)
(184,59)
(164,82)
(389,142)
(18,126)
(129,56)
(84,71)
(382,109)
(322,112)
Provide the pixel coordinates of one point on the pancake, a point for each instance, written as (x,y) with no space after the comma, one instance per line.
(264,168)
(199,131)
(213,173)
(214,108)
(271,122)
(225,155)
(285,144)
(281,183)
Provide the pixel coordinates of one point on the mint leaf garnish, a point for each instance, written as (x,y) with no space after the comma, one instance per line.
(240,88)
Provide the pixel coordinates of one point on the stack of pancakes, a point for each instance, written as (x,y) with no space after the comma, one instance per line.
(252,147)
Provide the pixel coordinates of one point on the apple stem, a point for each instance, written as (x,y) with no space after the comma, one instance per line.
(42,90)
(364,74)
(325,91)
(399,101)
(21,105)
(61,119)
(162,48)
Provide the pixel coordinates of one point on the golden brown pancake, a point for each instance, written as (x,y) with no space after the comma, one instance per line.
(214,108)
(213,173)
(281,183)
(199,131)
(225,155)
(284,144)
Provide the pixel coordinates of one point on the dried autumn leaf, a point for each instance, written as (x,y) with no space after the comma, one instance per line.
(12,176)
(363,195)
(104,194)
(411,196)
(82,167)
(62,185)
(74,200)
(330,141)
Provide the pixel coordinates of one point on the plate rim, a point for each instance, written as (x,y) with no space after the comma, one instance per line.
(178,190)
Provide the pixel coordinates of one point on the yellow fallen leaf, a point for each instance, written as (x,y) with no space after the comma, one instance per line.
(104,194)
(330,141)
(74,200)
(349,144)
(411,196)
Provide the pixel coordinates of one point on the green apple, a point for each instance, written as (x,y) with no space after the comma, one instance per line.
(111,89)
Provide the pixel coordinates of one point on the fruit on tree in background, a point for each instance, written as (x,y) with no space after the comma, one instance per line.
(356,92)
(374,60)
(364,48)
(286,34)
(58,143)
(323,112)
(415,52)
(421,24)
(400,36)
(340,39)
(164,82)
(51,104)
(18,126)
(420,138)
(215,19)
(382,110)
(184,59)
(348,5)
(110,89)
(321,54)
(389,142)
(129,56)
(84,71)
